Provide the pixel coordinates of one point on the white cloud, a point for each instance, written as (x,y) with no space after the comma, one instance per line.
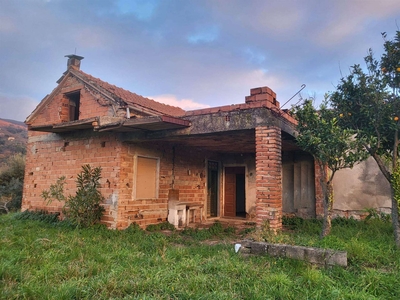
(350,19)
(186,104)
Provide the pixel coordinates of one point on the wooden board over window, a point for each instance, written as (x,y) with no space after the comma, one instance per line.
(146,178)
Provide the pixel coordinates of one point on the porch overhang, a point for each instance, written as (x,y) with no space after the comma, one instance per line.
(232,131)
(153,123)
(66,126)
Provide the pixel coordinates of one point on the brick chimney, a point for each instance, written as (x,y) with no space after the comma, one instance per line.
(74,61)
(262,94)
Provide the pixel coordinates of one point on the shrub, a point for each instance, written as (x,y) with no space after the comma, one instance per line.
(11,183)
(84,209)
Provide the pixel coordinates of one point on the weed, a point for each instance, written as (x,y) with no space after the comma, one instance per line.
(247,231)
(373,213)
(216,228)
(292,222)
(133,228)
(230,230)
(160,226)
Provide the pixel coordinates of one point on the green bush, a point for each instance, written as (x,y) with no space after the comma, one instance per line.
(14,167)
(84,209)
(11,183)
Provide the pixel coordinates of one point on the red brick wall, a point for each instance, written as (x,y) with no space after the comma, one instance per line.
(56,109)
(269,176)
(46,161)
(187,172)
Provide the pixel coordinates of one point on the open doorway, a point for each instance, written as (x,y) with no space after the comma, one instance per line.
(212,193)
(235,192)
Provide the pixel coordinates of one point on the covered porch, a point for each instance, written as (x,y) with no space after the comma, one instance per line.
(248,167)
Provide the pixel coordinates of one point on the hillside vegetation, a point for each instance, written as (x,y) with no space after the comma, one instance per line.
(13,139)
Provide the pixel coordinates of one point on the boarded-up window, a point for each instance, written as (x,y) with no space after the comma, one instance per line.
(146,178)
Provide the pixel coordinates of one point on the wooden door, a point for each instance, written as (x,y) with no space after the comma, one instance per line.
(234,191)
(230,193)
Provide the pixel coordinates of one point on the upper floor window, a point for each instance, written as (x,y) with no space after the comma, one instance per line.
(73,105)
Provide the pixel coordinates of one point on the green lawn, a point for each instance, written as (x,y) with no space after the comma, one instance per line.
(44,260)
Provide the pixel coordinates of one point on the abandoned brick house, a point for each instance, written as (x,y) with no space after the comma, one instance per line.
(161,163)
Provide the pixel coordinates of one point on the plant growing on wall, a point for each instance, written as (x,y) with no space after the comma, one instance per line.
(84,208)
(331,146)
(370,104)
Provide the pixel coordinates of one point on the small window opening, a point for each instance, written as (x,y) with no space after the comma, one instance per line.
(103,144)
(74,103)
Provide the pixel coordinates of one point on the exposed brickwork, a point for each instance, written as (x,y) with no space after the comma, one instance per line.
(259,97)
(262,94)
(118,178)
(46,161)
(132,98)
(57,110)
(185,173)
(269,176)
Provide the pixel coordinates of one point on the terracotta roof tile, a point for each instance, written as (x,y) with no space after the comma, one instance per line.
(132,98)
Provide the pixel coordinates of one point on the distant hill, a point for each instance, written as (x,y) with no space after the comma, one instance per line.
(13,138)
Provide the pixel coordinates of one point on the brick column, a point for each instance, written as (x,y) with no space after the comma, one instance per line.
(269,176)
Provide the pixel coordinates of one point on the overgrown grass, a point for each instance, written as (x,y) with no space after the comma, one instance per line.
(44,259)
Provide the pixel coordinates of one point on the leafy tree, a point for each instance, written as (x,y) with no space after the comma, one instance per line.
(369,103)
(332,148)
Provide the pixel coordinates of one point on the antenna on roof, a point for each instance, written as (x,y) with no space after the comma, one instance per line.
(75,51)
(302,88)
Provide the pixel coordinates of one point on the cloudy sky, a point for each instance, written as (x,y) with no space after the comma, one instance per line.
(188,53)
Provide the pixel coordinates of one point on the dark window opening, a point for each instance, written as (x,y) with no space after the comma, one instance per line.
(73,105)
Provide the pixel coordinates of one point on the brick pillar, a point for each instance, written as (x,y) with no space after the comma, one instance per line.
(269,176)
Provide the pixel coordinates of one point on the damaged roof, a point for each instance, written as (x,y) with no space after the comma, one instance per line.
(129,97)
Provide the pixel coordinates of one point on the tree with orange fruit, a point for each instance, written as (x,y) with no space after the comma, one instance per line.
(368,102)
(332,147)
